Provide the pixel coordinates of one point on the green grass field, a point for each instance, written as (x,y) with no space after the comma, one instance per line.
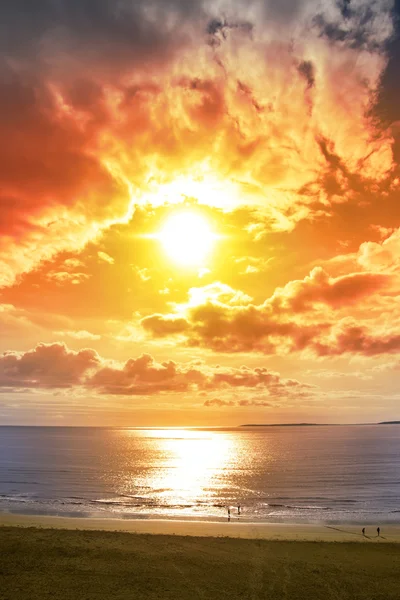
(83,565)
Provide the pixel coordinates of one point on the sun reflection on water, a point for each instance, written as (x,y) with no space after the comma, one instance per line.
(189,464)
(192,459)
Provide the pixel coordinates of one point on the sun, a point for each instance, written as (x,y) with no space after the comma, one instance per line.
(187,238)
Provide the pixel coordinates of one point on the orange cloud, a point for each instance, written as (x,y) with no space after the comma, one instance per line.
(268,118)
(292,319)
(318,287)
(355,339)
(271,105)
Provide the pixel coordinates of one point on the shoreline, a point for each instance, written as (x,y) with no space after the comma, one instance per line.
(266,531)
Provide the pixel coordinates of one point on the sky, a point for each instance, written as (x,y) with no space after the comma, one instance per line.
(199,212)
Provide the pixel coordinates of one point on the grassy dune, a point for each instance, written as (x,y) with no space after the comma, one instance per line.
(89,565)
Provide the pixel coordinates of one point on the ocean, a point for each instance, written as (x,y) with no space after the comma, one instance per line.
(322,474)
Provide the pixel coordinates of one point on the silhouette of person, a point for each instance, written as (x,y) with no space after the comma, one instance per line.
(238,509)
(363,531)
(229,514)
(379,531)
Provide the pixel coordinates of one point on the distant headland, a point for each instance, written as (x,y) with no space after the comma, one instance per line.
(282,424)
(315,424)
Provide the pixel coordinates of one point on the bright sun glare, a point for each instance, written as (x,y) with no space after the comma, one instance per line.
(187,238)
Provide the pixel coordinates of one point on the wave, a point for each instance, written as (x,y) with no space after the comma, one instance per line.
(4,498)
(300,507)
(111,502)
(20,483)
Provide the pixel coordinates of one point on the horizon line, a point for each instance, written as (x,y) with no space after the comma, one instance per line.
(139,427)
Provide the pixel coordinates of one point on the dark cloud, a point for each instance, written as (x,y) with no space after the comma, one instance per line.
(215,25)
(307,70)
(217,30)
(354,31)
(102,33)
(387,108)
(345,8)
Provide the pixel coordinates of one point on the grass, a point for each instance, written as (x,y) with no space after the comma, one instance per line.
(95,565)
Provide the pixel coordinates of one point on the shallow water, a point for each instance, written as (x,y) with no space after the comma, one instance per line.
(278,474)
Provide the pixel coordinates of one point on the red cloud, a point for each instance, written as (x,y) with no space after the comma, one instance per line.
(55,189)
(318,287)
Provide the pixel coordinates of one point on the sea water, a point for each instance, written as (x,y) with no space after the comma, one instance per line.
(328,474)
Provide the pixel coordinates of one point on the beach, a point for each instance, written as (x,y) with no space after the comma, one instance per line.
(232,529)
(62,559)
(101,514)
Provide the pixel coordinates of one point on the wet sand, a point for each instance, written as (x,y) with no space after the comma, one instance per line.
(233,529)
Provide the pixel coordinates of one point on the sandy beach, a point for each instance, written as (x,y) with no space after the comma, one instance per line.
(265,531)
(69,558)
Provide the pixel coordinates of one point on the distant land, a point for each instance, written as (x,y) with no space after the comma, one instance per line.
(285,424)
(315,424)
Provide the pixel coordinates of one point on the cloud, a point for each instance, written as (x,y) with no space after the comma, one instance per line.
(217,402)
(65,277)
(162,326)
(296,317)
(357,25)
(17,323)
(355,339)
(46,366)
(73,263)
(384,256)
(55,366)
(306,68)
(78,335)
(276,107)
(144,376)
(47,172)
(318,287)
(106,257)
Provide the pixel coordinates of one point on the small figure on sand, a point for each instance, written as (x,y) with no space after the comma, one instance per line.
(378,529)
(239,509)
(229,514)
(363,530)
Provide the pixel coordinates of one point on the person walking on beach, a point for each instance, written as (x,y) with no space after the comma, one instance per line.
(363,530)
(378,529)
